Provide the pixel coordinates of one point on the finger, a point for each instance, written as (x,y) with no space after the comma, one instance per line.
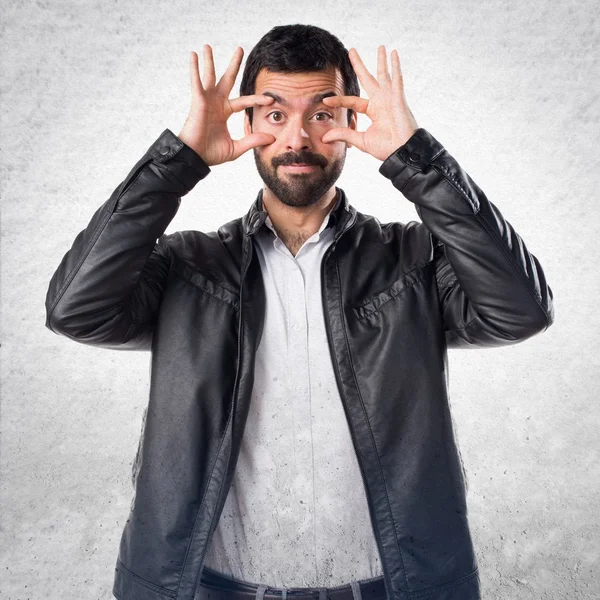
(355,102)
(197,88)
(397,80)
(209,67)
(226,82)
(345,134)
(382,70)
(243,102)
(367,80)
(252,140)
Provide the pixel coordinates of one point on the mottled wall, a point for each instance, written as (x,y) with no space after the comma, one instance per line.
(510,89)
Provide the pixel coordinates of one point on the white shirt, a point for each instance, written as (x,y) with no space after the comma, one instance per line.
(296,514)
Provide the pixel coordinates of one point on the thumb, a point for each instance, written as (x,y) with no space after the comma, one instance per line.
(252,140)
(344,134)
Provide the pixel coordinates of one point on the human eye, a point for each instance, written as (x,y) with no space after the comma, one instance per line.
(324,113)
(275,112)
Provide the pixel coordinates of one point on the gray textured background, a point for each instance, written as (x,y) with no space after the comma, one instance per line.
(510,89)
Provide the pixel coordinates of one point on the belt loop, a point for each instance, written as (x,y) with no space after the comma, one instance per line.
(323,593)
(356,590)
(284,594)
(260,591)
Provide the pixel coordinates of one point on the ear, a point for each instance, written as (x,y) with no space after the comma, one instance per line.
(247,126)
(351,125)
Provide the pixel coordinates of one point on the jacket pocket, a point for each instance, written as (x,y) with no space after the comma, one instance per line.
(204,284)
(379,300)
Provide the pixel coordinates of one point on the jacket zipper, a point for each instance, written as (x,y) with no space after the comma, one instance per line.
(388,583)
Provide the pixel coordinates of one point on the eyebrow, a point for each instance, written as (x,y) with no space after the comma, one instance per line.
(316,99)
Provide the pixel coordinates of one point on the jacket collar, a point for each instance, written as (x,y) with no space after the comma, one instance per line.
(341,218)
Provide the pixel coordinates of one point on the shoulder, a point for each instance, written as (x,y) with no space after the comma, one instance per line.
(410,234)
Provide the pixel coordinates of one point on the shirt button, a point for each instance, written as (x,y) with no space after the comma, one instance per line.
(165,150)
(415,156)
(297,326)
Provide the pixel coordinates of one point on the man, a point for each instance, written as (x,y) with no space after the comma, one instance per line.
(298,437)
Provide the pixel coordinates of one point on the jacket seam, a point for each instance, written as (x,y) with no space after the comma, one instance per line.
(174,174)
(200,289)
(523,279)
(127,189)
(184,264)
(392,295)
(75,270)
(446,174)
(464,326)
(150,160)
(370,299)
(369,426)
(147,584)
(451,286)
(490,233)
(135,323)
(407,181)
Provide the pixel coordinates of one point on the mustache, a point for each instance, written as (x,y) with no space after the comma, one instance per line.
(304,158)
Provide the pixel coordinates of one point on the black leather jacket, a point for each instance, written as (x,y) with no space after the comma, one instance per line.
(395,297)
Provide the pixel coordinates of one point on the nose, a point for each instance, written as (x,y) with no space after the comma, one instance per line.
(297,138)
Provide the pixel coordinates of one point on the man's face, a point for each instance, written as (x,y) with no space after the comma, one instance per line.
(298,122)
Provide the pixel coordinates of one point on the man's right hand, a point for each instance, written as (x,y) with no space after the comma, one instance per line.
(205,129)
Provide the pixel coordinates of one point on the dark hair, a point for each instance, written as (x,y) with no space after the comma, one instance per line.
(294,49)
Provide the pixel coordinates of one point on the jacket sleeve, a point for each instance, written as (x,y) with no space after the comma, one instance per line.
(107,289)
(492,290)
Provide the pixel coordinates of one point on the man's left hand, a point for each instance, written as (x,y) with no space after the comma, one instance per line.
(392,121)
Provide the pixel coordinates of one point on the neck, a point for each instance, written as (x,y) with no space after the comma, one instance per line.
(297,221)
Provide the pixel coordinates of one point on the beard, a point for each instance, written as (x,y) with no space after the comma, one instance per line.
(299,189)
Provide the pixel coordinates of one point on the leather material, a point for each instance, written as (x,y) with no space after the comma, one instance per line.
(396,296)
